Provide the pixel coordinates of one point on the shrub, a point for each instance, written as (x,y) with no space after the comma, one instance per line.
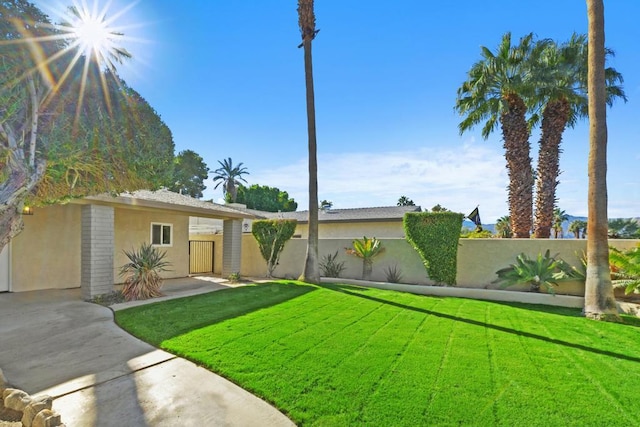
(330,267)
(234,277)
(625,269)
(271,235)
(394,274)
(367,249)
(545,271)
(435,237)
(142,273)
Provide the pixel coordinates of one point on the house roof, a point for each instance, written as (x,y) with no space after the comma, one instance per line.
(382,213)
(166,200)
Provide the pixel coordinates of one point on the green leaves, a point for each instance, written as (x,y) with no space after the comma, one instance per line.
(367,249)
(435,237)
(142,272)
(271,235)
(625,269)
(544,270)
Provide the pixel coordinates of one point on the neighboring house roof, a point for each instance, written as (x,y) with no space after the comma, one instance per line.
(377,214)
(168,201)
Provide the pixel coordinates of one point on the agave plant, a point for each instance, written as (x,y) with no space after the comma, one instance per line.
(330,266)
(367,249)
(625,269)
(142,272)
(543,271)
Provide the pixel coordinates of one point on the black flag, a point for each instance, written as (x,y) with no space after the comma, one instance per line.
(474,216)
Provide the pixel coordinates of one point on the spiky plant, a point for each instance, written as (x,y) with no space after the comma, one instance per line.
(393,273)
(625,271)
(142,272)
(543,271)
(330,266)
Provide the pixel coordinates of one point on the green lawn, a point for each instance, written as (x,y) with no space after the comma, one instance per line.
(338,355)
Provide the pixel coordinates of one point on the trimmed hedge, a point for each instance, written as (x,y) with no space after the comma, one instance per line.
(271,235)
(434,235)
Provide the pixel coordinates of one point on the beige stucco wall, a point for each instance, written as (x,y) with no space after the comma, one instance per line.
(133,227)
(478,259)
(46,254)
(340,230)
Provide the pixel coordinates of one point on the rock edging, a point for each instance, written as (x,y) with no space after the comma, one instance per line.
(19,409)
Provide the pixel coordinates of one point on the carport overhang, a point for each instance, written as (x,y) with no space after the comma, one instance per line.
(98,232)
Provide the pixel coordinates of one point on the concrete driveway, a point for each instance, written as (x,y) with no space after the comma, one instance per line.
(52,342)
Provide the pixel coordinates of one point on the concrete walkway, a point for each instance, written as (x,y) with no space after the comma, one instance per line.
(52,342)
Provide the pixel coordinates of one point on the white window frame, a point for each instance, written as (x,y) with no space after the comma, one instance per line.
(162,226)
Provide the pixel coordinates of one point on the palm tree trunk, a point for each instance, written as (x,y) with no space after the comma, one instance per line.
(515,133)
(311,271)
(554,120)
(599,301)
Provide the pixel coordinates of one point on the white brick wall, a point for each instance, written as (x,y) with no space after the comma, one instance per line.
(96,274)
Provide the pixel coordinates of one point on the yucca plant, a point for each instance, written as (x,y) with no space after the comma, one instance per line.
(393,273)
(367,249)
(625,269)
(330,267)
(543,271)
(142,273)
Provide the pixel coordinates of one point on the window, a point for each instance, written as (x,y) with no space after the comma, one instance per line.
(161,234)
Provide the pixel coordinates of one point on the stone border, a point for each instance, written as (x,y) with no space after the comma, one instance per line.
(32,411)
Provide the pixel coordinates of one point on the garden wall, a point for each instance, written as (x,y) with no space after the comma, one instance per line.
(478,259)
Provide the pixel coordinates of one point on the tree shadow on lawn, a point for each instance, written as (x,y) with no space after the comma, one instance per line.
(348,290)
(190,313)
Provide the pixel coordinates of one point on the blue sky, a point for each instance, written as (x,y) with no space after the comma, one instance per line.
(228,79)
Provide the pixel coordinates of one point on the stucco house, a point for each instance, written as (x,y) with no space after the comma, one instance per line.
(380,222)
(81,243)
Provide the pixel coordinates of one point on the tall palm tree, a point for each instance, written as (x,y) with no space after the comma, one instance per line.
(559,216)
(230,176)
(503,227)
(599,301)
(307,23)
(495,91)
(562,94)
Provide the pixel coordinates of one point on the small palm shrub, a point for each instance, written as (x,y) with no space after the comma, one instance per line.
(367,249)
(142,273)
(330,267)
(543,271)
(393,273)
(625,269)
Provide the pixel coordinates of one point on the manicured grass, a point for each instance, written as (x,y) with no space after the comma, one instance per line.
(337,355)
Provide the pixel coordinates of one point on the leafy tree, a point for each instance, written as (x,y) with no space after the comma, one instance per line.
(438,208)
(69,128)
(189,173)
(366,249)
(561,90)
(503,227)
(559,216)
(578,227)
(307,23)
(326,204)
(405,201)
(495,91)
(271,235)
(599,301)
(264,198)
(621,228)
(229,176)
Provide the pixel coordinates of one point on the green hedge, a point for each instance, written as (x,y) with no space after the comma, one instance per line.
(435,236)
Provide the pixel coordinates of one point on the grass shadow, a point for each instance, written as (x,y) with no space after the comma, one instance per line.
(178,316)
(349,290)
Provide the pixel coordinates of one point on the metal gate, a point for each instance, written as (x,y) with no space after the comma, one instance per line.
(200,256)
